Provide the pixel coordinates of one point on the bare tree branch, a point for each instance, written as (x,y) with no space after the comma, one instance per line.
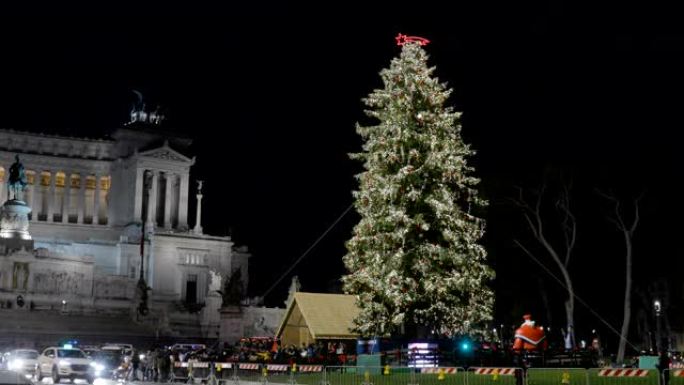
(534,218)
(636,213)
(628,234)
(568,224)
(618,220)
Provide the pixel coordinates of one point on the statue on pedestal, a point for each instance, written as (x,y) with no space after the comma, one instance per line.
(214,281)
(232,293)
(14,221)
(17,180)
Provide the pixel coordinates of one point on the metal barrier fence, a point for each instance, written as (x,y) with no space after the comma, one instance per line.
(391,375)
(179,372)
(675,376)
(442,375)
(557,376)
(277,373)
(494,376)
(224,372)
(369,375)
(611,376)
(233,373)
(192,372)
(307,374)
(248,372)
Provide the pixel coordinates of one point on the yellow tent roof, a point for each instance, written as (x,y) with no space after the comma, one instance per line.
(328,316)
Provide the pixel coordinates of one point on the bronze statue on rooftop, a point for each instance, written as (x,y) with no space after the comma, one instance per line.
(16,181)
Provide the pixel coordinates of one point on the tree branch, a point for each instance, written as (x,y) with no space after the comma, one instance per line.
(534,220)
(618,220)
(568,224)
(636,214)
(627,233)
(533,216)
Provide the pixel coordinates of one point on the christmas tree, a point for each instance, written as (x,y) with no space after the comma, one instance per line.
(414,260)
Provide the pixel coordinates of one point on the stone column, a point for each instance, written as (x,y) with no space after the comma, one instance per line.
(198,214)
(51,197)
(32,187)
(3,187)
(152,202)
(67,197)
(183,202)
(56,209)
(96,200)
(82,197)
(139,186)
(168,179)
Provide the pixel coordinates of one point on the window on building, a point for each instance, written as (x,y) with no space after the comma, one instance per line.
(191,289)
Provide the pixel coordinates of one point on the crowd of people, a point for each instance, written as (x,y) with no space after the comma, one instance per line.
(268,350)
(157,364)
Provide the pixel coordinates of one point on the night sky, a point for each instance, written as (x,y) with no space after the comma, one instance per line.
(270,93)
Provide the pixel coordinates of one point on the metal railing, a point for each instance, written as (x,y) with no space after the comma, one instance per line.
(295,374)
(556,376)
(673,377)
(623,376)
(494,376)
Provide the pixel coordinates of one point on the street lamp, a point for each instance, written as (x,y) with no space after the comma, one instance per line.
(658,311)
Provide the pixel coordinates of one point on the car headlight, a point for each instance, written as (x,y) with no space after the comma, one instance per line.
(15,364)
(63,363)
(97,366)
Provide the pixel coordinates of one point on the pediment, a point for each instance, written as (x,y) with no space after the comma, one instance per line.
(166,153)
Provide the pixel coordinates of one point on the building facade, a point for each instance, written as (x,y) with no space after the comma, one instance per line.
(91,201)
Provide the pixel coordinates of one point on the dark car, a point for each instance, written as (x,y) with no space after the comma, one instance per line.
(106,361)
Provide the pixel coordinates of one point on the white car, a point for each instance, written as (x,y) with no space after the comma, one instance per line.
(125,349)
(22,361)
(59,363)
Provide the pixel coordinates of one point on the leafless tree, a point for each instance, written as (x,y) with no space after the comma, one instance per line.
(627,230)
(545,300)
(559,252)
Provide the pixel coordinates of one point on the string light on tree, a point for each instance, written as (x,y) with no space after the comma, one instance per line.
(414,260)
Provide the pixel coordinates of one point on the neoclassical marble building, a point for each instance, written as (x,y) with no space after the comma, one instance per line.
(89,199)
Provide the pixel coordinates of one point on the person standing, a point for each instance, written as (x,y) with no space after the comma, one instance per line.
(158,363)
(135,363)
(165,365)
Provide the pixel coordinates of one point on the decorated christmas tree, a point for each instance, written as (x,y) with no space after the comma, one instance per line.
(414,260)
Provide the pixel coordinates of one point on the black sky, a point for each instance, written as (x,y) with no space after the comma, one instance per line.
(271,94)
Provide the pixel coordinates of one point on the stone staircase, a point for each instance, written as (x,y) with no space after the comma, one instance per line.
(42,328)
